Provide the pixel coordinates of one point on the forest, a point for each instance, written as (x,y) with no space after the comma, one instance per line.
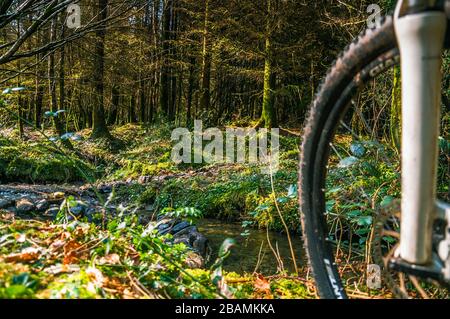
(92,204)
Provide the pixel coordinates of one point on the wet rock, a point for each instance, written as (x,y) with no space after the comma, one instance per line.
(105,189)
(79,208)
(42,205)
(52,211)
(192,238)
(163,228)
(187,230)
(179,227)
(6,202)
(24,205)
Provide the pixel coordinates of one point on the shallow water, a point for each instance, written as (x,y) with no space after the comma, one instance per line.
(244,256)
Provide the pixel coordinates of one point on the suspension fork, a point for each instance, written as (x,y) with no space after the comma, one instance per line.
(420,37)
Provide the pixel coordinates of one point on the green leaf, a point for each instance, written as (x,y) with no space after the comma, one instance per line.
(348,162)
(226,246)
(357,149)
(292,191)
(15,89)
(16,291)
(364,221)
(330,204)
(282,200)
(389,239)
(386,201)
(354,213)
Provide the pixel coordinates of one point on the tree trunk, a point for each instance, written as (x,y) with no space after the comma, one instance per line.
(165,68)
(39,95)
(205,98)
(52,86)
(268,115)
(142,101)
(99,128)
(190,91)
(62,74)
(39,87)
(115,95)
(132,107)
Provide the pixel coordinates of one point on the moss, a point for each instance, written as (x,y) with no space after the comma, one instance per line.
(149,195)
(32,162)
(232,196)
(290,289)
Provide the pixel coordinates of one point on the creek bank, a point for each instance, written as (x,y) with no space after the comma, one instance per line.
(44,202)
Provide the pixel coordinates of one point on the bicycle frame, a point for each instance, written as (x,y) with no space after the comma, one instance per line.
(420,37)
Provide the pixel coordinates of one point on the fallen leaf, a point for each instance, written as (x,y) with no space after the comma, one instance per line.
(111,259)
(20,238)
(26,255)
(58,269)
(96,276)
(70,252)
(57,244)
(57,195)
(262,284)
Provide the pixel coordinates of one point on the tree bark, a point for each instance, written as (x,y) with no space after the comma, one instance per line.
(165,68)
(52,83)
(205,99)
(268,116)
(99,128)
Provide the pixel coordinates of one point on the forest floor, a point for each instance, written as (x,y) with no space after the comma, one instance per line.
(84,223)
(48,251)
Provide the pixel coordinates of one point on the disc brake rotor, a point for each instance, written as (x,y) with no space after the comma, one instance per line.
(385,241)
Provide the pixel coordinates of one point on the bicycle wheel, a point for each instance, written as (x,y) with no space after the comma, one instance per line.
(350,166)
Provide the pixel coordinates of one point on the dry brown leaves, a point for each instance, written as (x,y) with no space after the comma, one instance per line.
(262,287)
(26,255)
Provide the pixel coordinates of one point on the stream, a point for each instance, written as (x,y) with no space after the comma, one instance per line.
(244,256)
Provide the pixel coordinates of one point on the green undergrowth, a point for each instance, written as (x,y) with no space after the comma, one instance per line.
(233,196)
(39,162)
(118,260)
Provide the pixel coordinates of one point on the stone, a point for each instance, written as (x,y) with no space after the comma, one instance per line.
(179,227)
(24,205)
(42,205)
(105,189)
(163,229)
(79,209)
(52,211)
(191,237)
(187,230)
(6,202)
